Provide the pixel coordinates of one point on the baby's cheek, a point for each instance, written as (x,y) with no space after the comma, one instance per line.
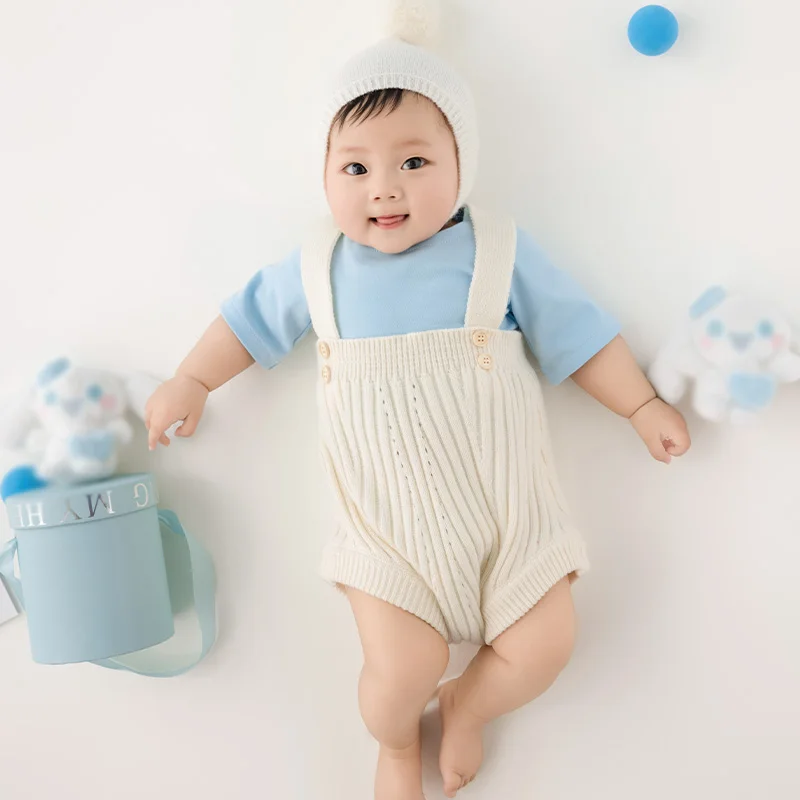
(108,402)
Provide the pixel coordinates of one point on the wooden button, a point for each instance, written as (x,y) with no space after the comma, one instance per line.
(480,338)
(324,350)
(326,374)
(485,361)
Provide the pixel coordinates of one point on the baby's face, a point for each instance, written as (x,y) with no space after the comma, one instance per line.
(392,180)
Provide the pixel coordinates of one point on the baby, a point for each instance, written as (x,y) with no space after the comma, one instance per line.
(451,525)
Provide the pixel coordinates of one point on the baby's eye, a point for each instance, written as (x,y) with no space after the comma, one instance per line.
(355,169)
(415,163)
(50,399)
(715,329)
(94,392)
(766,329)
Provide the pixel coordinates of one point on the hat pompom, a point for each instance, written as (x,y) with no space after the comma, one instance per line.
(414,21)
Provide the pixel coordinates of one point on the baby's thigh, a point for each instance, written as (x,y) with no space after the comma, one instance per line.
(399,648)
(545,634)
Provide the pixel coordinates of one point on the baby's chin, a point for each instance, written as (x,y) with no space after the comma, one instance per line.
(391,241)
(392,248)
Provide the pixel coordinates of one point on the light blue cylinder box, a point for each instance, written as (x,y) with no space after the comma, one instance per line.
(94,576)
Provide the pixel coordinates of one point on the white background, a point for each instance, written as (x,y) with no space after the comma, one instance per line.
(7,608)
(155,154)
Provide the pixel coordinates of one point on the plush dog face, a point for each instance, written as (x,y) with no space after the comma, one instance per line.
(736,332)
(70,398)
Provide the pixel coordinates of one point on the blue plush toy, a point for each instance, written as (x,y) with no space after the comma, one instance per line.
(653,30)
(72,423)
(736,350)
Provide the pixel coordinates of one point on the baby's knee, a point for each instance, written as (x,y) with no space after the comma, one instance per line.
(550,647)
(561,645)
(402,680)
(393,694)
(542,664)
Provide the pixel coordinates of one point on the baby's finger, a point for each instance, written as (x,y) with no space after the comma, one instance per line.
(677,446)
(164,440)
(658,451)
(188,426)
(155,433)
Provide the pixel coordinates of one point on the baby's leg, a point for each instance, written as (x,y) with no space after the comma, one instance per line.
(404,658)
(519,666)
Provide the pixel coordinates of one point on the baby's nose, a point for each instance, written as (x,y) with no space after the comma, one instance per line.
(385,187)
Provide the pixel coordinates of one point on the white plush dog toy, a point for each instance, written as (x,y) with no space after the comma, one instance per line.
(73,421)
(736,350)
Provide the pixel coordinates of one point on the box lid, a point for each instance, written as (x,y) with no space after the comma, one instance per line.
(54,506)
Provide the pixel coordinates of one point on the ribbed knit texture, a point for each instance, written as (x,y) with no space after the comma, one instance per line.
(448,503)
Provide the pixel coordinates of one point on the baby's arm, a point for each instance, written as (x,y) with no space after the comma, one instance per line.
(614,378)
(214,360)
(570,335)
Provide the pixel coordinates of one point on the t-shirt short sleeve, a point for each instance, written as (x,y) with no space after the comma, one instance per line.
(270,314)
(563,326)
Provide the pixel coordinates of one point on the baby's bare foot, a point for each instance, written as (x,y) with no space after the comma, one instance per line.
(399,775)
(462,742)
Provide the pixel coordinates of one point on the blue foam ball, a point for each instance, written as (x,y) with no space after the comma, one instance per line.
(19,480)
(653,30)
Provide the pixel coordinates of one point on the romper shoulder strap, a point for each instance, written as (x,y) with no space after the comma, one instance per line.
(315,270)
(495,254)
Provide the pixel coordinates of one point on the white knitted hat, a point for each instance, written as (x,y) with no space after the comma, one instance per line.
(400,62)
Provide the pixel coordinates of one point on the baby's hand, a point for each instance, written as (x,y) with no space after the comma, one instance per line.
(180,399)
(663,429)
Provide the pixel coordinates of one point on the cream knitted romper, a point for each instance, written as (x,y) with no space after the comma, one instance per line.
(437,447)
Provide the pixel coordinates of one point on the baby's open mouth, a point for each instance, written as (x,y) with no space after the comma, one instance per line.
(388,223)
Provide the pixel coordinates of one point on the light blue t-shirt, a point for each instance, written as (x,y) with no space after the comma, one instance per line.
(424,288)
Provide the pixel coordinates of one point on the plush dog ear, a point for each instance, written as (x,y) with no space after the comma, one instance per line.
(678,360)
(138,389)
(17,419)
(17,416)
(708,301)
(794,334)
(667,373)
